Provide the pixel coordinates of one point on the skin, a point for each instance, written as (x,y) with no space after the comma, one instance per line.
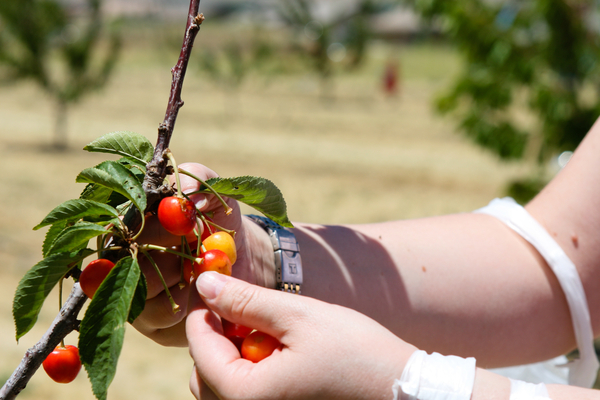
(457,284)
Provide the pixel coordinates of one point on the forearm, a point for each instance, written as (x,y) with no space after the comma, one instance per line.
(435,281)
(490,386)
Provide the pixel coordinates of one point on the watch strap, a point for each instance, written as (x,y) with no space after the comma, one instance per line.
(286,251)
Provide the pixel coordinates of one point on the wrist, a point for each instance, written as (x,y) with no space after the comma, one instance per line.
(286,254)
(260,254)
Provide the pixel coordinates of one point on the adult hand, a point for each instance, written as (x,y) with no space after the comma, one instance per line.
(158,321)
(327,351)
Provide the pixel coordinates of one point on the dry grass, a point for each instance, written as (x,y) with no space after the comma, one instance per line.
(356,159)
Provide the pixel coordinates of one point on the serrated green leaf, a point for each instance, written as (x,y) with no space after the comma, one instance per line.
(77,209)
(259,193)
(37,283)
(139,299)
(115,176)
(103,326)
(96,192)
(127,144)
(74,237)
(51,236)
(102,194)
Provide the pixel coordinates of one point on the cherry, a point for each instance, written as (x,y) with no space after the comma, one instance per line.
(235,332)
(258,345)
(177,215)
(222,241)
(63,364)
(213,260)
(93,275)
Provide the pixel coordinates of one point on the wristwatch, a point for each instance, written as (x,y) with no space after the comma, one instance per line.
(288,264)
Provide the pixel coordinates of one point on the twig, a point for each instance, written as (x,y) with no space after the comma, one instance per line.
(156,168)
(66,321)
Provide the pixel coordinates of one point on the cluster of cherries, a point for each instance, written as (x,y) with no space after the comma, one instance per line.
(178,215)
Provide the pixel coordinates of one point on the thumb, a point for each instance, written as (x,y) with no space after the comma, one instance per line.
(253,306)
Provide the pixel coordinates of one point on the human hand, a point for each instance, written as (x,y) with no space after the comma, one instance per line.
(254,253)
(327,351)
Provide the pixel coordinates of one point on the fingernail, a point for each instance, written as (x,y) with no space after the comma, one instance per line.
(201,203)
(199,199)
(210,283)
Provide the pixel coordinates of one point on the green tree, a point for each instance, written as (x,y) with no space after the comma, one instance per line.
(59,49)
(530,83)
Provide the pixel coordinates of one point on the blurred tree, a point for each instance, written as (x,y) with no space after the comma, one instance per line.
(228,63)
(340,38)
(47,42)
(524,60)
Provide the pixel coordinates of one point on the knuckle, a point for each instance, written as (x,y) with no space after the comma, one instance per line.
(242,298)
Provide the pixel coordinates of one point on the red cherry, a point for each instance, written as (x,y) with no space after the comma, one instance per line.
(63,364)
(235,332)
(93,275)
(213,260)
(258,345)
(177,215)
(222,241)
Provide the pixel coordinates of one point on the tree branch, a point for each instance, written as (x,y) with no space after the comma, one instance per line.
(156,168)
(66,321)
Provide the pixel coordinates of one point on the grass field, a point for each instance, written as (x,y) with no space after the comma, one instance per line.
(358,158)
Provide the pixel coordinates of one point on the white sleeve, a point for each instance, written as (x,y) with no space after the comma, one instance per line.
(583,371)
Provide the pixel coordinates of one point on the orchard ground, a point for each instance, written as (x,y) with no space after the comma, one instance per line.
(359,157)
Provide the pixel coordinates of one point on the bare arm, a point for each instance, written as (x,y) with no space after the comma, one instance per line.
(459,284)
(438,281)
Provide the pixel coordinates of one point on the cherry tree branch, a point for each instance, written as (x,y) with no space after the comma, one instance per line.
(66,321)
(157,167)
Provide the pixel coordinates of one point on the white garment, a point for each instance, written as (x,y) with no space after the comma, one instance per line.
(583,371)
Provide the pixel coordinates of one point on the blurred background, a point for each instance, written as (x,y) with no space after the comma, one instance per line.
(359,110)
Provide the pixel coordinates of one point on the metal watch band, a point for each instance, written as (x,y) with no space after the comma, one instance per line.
(288,264)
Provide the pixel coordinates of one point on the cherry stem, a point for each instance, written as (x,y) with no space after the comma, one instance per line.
(140,231)
(174,305)
(220,228)
(165,249)
(60,304)
(171,158)
(184,245)
(228,209)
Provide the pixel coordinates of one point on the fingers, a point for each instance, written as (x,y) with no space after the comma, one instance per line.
(170,267)
(212,352)
(189,184)
(199,388)
(158,312)
(266,310)
(173,336)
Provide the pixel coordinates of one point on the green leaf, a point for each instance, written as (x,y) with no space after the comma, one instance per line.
(139,299)
(76,209)
(103,327)
(96,192)
(259,193)
(127,144)
(51,236)
(115,176)
(138,170)
(75,236)
(37,283)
